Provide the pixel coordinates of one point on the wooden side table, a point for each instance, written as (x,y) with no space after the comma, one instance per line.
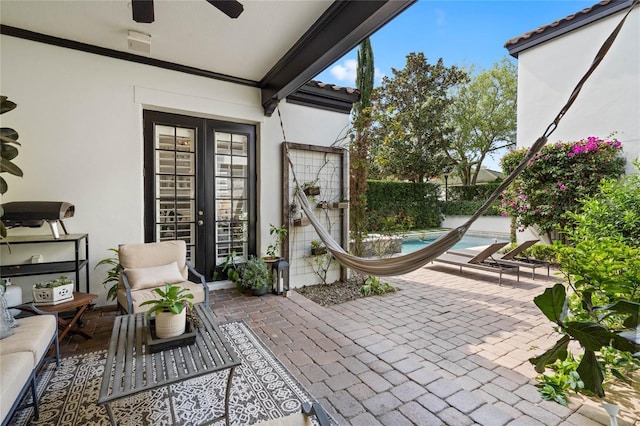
(80,303)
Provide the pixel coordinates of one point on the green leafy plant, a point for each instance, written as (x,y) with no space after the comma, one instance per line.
(376,286)
(56,282)
(602,271)
(8,152)
(556,387)
(113,274)
(230,267)
(556,179)
(321,264)
(254,274)
(172,299)
(278,234)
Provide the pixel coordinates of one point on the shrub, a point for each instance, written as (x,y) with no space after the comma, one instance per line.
(468,208)
(554,181)
(602,310)
(414,204)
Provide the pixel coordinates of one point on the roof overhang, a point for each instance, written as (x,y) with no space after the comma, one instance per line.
(275,46)
(565,25)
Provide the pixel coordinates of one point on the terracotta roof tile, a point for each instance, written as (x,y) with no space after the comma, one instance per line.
(333,87)
(546,28)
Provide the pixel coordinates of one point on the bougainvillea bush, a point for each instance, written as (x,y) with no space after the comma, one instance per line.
(554,181)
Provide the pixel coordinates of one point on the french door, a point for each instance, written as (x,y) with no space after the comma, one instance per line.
(200,186)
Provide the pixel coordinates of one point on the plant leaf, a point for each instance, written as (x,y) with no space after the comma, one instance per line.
(8,135)
(591,336)
(591,373)
(9,167)
(6,105)
(553,303)
(558,351)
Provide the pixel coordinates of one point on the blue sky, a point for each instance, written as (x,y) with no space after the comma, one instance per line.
(469,32)
(460,32)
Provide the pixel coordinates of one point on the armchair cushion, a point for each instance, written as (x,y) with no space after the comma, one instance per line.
(154,276)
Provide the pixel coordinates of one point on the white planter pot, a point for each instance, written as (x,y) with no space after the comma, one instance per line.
(170,325)
(52,296)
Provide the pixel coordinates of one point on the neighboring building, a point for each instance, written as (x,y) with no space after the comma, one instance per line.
(189,130)
(553,58)
(551,61)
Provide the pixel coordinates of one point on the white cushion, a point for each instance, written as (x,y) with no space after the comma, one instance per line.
(33,336)
(139,296)
(155,276)
(15,370)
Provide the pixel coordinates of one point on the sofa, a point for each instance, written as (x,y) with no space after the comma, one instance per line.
(24,345)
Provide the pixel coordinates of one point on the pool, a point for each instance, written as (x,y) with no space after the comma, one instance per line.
(469,240)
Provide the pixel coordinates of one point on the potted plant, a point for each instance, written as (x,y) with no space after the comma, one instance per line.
(113,274)
(342,204)
(310,188)
(171,315)
(273,249)
(255,276)
(317,248)
(323,205)
(52,292)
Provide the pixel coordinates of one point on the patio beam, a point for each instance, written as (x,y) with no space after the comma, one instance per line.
(341,28)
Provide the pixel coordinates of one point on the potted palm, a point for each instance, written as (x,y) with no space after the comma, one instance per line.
(171,315)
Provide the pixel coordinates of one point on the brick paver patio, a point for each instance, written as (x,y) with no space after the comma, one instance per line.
(447,348)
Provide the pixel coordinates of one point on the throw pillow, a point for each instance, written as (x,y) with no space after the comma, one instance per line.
(155,276)
(7,318)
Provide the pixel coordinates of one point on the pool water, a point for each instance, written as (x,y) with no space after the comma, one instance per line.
(467,241)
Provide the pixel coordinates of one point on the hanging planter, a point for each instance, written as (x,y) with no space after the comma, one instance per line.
(310,189)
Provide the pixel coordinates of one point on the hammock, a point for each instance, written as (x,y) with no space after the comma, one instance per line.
(410,262)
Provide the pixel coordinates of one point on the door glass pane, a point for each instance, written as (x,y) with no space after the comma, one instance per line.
(175,169)
(231,196)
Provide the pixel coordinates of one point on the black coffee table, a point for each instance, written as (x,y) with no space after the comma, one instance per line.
(131,368)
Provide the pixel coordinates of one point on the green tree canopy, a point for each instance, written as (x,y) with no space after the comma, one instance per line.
(483,114)
(411,130)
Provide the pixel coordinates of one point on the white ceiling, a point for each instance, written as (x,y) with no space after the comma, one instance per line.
(186,32)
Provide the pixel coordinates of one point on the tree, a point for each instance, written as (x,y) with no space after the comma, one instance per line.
(556,179)
(359,146)
(483,115)
(411,131)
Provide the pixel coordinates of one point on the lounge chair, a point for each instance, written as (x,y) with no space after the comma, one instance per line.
(511,257)
(480,261)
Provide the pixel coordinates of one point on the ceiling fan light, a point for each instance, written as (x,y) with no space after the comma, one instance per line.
(139,42)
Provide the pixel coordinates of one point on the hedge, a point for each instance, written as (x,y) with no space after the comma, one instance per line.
(408,205)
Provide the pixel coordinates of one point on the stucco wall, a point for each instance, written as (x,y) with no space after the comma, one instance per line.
(79,117)
(609,101)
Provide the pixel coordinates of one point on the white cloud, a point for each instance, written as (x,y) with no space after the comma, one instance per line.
(345,72)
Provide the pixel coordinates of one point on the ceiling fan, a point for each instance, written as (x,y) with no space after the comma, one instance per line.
(143,9)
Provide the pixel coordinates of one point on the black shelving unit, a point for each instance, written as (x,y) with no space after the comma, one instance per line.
(27,269)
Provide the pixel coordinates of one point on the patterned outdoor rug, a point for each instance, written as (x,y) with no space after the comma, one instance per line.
(262,388)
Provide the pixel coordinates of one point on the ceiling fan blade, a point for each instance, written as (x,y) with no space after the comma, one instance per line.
(142,11)
(231,8)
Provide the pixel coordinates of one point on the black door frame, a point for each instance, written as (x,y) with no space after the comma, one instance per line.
(205,180)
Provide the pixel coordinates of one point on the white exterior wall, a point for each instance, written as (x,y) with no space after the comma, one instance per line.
(610,100)
(79,118)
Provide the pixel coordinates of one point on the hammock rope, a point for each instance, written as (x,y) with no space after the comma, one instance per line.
(406,263)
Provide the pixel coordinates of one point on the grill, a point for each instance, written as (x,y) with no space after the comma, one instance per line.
(33,214)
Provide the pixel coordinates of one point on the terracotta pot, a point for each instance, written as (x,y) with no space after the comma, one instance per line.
(170,325)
